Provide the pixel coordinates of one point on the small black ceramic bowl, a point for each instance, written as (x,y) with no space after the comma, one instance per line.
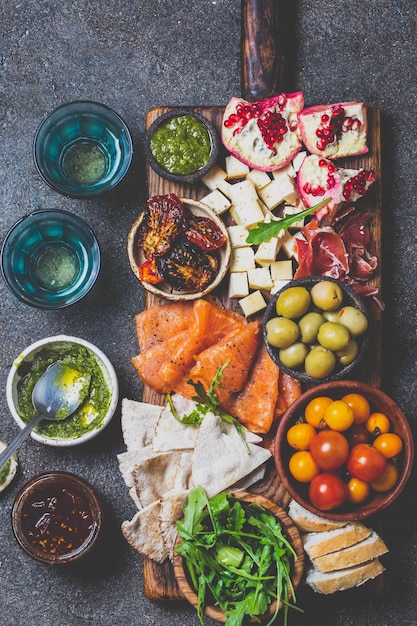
(342,367)
(181,145)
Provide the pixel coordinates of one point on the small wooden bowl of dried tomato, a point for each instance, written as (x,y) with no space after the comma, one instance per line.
(178,248)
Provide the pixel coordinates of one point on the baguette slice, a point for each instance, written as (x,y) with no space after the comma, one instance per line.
(320,543)
(366,550)
(340,580)
(310,522)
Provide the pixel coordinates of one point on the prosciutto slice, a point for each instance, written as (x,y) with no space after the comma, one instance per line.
(323,254)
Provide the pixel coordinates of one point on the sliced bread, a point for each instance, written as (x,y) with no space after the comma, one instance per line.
(310,522)
(340,580)
(361,552)
(320,543)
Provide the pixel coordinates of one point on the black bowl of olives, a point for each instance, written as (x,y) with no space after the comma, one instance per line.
(316,329)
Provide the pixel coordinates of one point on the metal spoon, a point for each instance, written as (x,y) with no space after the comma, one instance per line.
(57,395)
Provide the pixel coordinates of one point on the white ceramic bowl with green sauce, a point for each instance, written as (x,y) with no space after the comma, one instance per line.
(96,411)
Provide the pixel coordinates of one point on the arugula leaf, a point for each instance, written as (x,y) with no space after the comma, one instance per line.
(264,232)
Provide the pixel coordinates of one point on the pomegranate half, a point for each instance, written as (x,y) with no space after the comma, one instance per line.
(334,130)
(319,178)
(265,134)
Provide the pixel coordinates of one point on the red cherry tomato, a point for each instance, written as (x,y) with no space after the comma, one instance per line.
(365,462)
(327,491)
(329,449)
(358,434)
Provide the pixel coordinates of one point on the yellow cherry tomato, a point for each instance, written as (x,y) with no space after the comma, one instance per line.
(387,480)
(303,467)
(314,411)
(338,416)
(300,435)
(359,405)
(358,490)
(389,444)
(377,424)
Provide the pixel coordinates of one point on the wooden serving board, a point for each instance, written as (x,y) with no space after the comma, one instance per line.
(159,581)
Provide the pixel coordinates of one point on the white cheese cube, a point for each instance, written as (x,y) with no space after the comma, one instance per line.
(279,190)
(287,170)
(248,214)
(242,259)
(238,285)
(267,251)
(279,284)
(235,168)
(260,179)
(293,210)
(238,235)
(217,202)
(253,303)
(213,177)
(225,188)
(243,192)
(281,270)
(260,278)
(290,245)
(298,159)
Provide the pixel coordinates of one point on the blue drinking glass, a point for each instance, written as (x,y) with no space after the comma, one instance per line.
(83,149)
(50,259)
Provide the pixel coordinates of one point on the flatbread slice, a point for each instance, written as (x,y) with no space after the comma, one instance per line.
(138,423)
(170,434)
(220,458)
(250,479)
(160,473)
(143,533)
(172,509)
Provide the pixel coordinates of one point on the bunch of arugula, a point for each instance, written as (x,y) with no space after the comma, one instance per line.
(237,556)
(208,402)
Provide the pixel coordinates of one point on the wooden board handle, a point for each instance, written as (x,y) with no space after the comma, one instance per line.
(262,48)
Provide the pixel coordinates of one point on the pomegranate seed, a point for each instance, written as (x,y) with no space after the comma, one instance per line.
(356,124)
(325,118)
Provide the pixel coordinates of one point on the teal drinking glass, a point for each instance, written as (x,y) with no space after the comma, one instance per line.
(83,149)
(50,259)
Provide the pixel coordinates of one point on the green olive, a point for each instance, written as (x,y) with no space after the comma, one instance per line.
(348,354)
(333,336)
(309,326)
(319,362)
(281,332)
(331,316)
(354,320)
(327,295)
(293,302)
(293,356)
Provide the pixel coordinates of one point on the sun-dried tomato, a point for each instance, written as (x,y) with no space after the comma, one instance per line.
(148,272)
(204,233)
(163,221)
(187,267)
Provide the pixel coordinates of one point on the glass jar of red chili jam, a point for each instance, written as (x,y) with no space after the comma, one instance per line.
(57,517)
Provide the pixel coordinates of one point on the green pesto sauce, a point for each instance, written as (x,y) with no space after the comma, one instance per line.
(4,472)
(89,415)
(182,145)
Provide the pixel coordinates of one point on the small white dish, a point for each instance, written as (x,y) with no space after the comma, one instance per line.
(27,356)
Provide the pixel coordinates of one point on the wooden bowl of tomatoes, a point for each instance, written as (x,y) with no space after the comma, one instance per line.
(178,248)
(344,450)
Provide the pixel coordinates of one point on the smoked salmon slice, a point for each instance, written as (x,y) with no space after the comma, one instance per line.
(160,322)
(238,349)
(255,405)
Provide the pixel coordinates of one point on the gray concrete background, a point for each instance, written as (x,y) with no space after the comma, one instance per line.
(132,55)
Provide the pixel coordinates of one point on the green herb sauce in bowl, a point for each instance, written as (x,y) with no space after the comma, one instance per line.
(93,414)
